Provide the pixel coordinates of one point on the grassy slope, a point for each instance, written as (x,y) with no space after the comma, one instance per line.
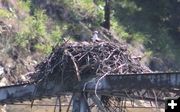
(38,31)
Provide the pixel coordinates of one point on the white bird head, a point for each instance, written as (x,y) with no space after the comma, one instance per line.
(95,32)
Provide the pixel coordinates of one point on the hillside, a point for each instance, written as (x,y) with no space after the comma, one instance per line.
(31,29)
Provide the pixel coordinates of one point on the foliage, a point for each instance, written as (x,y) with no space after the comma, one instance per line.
(152,23)
(149,22)
(38,27)
(34,27)
(5,14)
(122,32)
(87,11)
(24,5)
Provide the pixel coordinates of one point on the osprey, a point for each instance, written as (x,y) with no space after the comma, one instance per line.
(1,70)
(95,37)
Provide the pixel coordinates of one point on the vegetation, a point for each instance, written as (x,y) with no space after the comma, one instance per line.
(154,24)
(5,14)
(34,31)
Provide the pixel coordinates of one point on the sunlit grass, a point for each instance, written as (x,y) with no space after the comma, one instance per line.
(5,14)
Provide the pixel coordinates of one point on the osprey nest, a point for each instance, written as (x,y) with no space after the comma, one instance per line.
(72,62)
(80,60)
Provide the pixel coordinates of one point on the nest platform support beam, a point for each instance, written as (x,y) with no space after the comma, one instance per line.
(117,85)
(29,92)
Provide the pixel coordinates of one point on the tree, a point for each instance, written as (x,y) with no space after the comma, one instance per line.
(107,12)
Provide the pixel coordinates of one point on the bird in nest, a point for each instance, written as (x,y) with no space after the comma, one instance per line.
(95,37)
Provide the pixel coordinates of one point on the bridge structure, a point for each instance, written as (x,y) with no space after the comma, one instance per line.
(147,86)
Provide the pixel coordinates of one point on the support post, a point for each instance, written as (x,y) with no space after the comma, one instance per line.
(80,103)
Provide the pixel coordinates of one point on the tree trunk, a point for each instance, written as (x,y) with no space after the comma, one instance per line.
(107,12)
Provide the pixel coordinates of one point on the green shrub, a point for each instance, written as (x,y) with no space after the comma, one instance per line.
(5,14)
(24,5)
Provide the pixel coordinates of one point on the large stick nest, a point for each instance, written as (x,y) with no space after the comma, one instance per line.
(72,62)
(81,59)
